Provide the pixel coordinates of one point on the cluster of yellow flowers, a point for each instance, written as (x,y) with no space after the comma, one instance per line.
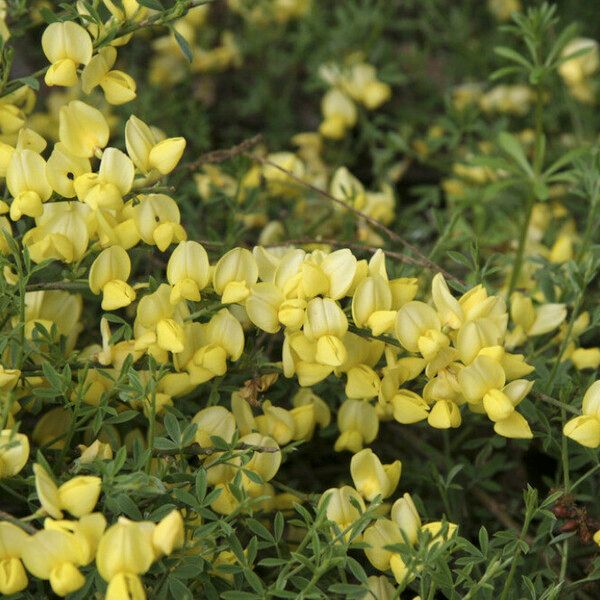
(578,71)
(122,552)
(352,84)
(372,480)
(266,12)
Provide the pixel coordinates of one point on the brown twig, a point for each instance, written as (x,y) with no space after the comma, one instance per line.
(57,285)
(404,258)
(196,450)
(498,511)
(420,259)
(4,516)
(219,156)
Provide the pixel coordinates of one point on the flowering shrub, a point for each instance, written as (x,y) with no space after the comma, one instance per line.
(278,322)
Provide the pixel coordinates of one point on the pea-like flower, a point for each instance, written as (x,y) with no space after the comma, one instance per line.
(157,219)
(13,578)
(149,150)
(585,429)
(234,273)
(27,183)
(106,188)
(344,507)
(358,424)
(66,45)
(109,274)
(14,452)
(371,478)
(118,87)
(326,324)
(188,271)
(82,129)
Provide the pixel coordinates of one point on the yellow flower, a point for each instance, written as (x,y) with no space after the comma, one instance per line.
(266,464)
(80,494)
(364,87)
(168,534)
(109,274)
(118,87)
(14,452)
(346,187)
(87,531)
(339,114)
(576,71)
(158,322)
(363,382)
(54,555)
(585,430)
(188,271)
(106,188)
(125,547)
(358,425)
(213,421)
(371,478)
(27,183)
(379,588)
(277,423)
(148,150)
(372,304)
(13,578)
(409,407)
(125,586)
(326,324)
(61,233)
(531,321)
(263,306)
(417,326)
(379,535)
(405,515)
(8,378)
(234,273)
(66,45)
(82,129)
(157,219)
(63,168)
(344,507)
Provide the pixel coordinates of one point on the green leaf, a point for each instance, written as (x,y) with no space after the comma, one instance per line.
(52,376)
(200,483)
(512,55)
(172,426)
(260,530)
(511,145)
(183,45)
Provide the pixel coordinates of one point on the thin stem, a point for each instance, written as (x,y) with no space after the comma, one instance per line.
(424,261)
(555,402)
(585,476)
(4,516)
(518,264)
(566,481)
(514,558)
(537,167)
